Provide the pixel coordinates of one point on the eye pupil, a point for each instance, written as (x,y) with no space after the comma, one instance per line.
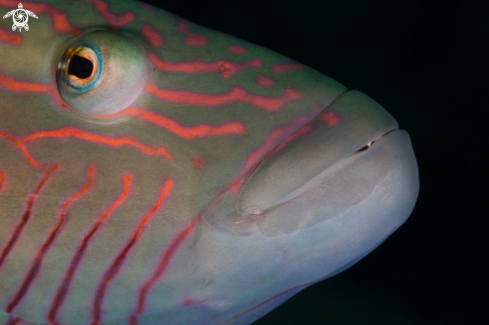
(80,67)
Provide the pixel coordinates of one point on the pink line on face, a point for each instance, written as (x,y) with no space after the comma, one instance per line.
(291,138)
(70,131)
(16,141)
(265,81)
(42,251)
(146,6)
(11,84)
(77,258)
(24,220)
(193,39)
(121,257)
(330,118)
(10,37)
(153,37)
(224,67)
(282,67)
(165,260)
(237,49)
(61,23)
(198,162)
(186,132)
(15,321)
(275,136)
(2,180)
(73,132)
(236,94)
(115,20)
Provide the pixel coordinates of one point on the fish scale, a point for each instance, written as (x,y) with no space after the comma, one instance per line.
(161,208)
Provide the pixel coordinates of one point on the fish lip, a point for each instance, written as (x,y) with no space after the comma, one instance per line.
(257,213)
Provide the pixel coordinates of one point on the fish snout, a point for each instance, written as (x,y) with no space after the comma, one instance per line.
(351,159)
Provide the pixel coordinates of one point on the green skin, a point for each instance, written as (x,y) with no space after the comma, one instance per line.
(250,216)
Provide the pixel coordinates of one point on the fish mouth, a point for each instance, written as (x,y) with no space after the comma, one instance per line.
(369,144)
(325,172)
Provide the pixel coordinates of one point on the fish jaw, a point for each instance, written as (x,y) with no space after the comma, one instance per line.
(243,277)
(311,229)
(320,171)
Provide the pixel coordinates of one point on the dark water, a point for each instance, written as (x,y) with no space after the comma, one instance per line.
(426,62)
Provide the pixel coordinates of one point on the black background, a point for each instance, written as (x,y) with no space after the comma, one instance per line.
(426,62)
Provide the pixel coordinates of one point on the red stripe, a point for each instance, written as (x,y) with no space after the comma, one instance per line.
(15,321)
(8,36)
(21,146)
(186,132)
(274,138)
(330,118)
(164,263)
(115,20)
(282,67)
(198,162)
(2,179)
(236,94)
(146,6)
(237,49)
(73,132)
(224,67)
(75,261)
(11,84)
(265,81)
(154,38)
(193,39)
(36,265)
(117,263)
(285,142)
(25,216)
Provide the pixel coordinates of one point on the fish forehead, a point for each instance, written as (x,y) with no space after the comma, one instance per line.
(125,195)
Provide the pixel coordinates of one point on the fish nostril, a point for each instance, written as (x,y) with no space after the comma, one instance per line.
(80,67)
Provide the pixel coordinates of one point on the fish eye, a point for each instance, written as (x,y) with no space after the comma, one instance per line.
(82,68)
(102,72)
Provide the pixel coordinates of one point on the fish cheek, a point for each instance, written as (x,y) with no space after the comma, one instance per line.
(101,73)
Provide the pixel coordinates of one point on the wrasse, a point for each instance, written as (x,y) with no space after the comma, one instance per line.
(153,171)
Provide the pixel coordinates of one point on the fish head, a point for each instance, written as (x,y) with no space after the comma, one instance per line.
(153,170)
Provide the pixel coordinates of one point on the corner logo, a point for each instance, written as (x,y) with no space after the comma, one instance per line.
(20,17)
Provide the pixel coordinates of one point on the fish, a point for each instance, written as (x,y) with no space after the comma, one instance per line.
(154,171)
